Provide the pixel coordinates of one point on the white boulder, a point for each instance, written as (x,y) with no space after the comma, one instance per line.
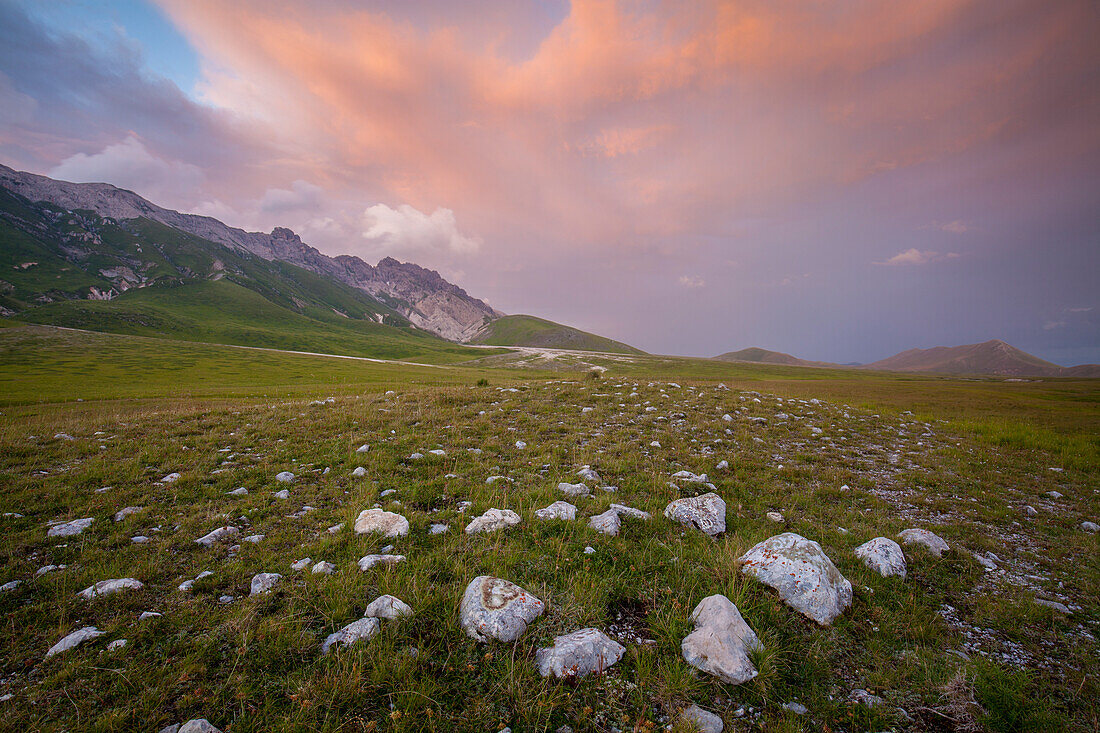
(492,520)
(557,510)
(362,630)
(388,607)
(803,574)
(73,640)
(932,541)
(578,654)
(707,513)
(721,641)
(107,587)
(263,583)
(387,524)
(884,556)
(494,608)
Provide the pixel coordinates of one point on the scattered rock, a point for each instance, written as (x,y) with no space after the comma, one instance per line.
(282,494)
(242,491)
(589,550)
(254,538)
(362,630)
(492,520)
(575,655)
(117,644)
(70,529)
(284,477)
(557,510)
(146,615)
(198,725)
(301,564)
(73,640)
(774,517)
(702,720)
(494,608)
(935,544)
(1090,526)
(884,556)
(795,707)
(574,489)
(170,478)
(363,448)
(627,511)
(707,513)
(387,607)
(805,577)
(123,513)
(48,569)
(388,524)
(323,568)
(1030,511)
(607,523)
(369,561)
(107,587)
(588,474)
(263,583)
(10,585)
(1060,607)
(721,641)
(359,472)
(217,535)
(438,528)
(862,697)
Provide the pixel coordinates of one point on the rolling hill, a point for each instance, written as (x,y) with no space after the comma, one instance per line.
(757,355)
(531,331)
(989,357)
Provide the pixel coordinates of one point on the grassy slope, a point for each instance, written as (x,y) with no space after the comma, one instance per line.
(530,331)
(253,664)
(224,312)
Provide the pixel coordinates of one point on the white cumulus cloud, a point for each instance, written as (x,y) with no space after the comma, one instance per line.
(407,229)
(129,164)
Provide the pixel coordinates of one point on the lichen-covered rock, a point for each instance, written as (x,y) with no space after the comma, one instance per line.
(557,510)
(492,520)
(721,642)
(575,655)
(362,630)
(494,608)
(198,725)
(387,524)
(706,513)
(803,574)
(932,541)
(884,556)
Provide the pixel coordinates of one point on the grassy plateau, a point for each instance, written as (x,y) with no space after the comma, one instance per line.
(91,423)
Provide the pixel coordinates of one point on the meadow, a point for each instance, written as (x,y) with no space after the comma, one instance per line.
(92,423)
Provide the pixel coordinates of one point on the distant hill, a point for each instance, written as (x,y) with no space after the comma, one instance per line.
(990,357)
(763,356)
(531,331)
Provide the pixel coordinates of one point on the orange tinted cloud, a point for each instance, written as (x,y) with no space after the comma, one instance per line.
(627,120)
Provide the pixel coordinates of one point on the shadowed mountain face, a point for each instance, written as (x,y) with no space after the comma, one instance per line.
(420,295)
(990,357)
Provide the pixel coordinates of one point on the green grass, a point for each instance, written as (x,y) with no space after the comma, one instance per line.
(530,331)
(153,406)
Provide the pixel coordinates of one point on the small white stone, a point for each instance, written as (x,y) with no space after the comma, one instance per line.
(242,491)
(107,587)
(146,615)
(74,639)
(116,645)
(590,550)
(438,528)
(359,472)
(520,444)
(369,561)
(170,478)
(557,510)
(283,494)
(263,583)
(363,448)
(254,538)
(324,568)
(70,529)
(774,517)
(123,513)
(387,607)
(301,564)
(284,477)
(362,630)
(493,520)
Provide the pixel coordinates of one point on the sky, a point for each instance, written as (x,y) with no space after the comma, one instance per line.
(836,180)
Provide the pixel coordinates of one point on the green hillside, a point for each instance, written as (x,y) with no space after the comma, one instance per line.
(531,331)
(164,282)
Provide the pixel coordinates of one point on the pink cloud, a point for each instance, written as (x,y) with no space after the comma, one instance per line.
(914,256)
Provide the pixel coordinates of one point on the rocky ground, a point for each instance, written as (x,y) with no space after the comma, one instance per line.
(586,554)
